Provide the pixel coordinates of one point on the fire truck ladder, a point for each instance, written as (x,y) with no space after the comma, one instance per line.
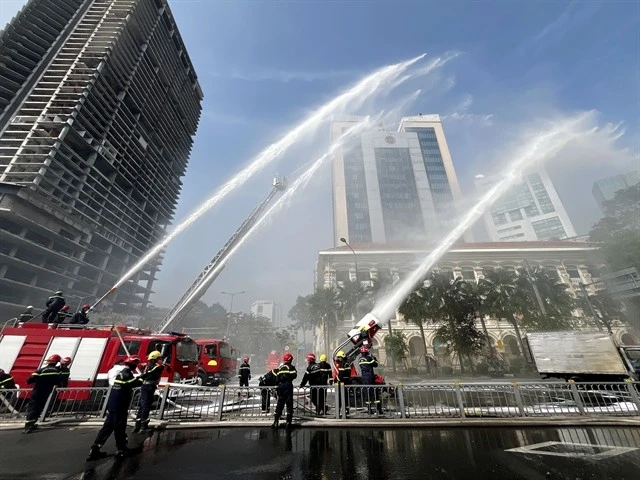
(201,284)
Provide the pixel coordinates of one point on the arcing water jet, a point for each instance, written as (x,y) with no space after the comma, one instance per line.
(540,147)
(369,85)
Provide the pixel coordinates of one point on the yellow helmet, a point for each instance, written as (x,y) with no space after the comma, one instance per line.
(341,354)
(154,355)
(323,358)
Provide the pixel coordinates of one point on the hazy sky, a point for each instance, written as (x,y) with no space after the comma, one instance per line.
(264,65)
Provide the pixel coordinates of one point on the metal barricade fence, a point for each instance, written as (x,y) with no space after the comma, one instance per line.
(189,403)
(13,403)
(76,403)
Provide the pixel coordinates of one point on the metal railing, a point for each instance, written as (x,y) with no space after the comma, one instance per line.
(188,403)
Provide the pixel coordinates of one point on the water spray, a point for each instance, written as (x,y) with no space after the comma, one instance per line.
(297,185)
(541,147)
(365,88)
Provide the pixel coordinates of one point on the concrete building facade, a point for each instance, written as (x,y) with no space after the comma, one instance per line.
(269,310)
(393,186)
(531,210)
(99,103)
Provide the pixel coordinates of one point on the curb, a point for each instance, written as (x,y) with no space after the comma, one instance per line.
(377,423)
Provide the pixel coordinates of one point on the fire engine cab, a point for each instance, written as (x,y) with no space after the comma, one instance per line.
(93,350)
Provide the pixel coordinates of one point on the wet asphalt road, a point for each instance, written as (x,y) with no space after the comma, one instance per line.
(363,453)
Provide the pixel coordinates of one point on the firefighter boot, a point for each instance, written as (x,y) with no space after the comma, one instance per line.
(95,453)
(288,425)
(275,423)
(138,426)
(144,425)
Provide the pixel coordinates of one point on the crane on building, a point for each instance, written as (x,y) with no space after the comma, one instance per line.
(204,280)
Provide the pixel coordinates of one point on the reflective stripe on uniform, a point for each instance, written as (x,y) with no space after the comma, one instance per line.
(125,381)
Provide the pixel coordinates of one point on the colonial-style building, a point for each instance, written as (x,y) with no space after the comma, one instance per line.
(575,263)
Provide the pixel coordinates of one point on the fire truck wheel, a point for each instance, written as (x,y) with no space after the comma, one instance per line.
(201,379)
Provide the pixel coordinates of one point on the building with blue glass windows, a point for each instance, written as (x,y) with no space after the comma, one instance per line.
(531,210)
(393,186)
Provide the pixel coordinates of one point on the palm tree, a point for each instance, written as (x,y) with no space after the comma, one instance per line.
(425,304)
(413,309)
(395,344)
(458,329)
(350,296)
(550,304)
(323,307)
(300,315)
(502,299)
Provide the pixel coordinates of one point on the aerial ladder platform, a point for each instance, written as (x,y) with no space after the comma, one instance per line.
(204,280)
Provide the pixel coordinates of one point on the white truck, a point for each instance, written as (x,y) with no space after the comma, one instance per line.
(582,356)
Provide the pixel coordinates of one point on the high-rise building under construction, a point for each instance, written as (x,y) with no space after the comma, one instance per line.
(99,104)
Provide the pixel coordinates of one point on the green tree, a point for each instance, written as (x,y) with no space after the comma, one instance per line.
(395,344)
(284,338)
(324,306)
(502,299)
(545,303)
(618,232)
(457,319)
(425,304)
(300,315)
(350,297)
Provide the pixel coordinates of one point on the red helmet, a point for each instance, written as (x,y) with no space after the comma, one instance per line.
(311,357)
(364,349)
(66,360)
(65,308)
(288,358)
(245,359)
(86,306)
(132,360)
(55,358)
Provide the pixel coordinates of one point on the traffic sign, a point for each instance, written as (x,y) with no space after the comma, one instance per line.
(286,349)
(301,347)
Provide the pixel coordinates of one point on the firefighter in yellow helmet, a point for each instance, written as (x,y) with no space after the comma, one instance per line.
(342,375)
(150,378)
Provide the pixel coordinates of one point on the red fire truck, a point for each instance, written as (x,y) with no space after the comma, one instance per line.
(217,361)
(94,350)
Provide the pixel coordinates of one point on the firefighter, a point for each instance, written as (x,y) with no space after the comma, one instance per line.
(26,315)
(151,378)
(44,380)
(6,383)
(367,363)
(286,375)
(63,315)
(117,411)
(342,375)
(245,372)
(54,305)
(115,370)
(314,376)
(326,370)
(269,379)
(65,364)
(81,317)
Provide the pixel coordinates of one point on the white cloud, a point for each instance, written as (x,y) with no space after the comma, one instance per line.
(284,76)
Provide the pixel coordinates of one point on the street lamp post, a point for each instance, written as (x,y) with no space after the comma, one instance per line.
(232,295)
(355,261)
